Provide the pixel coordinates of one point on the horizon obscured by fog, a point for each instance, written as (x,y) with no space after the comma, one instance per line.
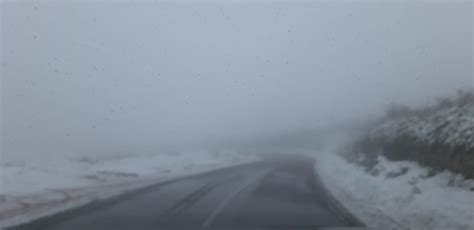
(98,77)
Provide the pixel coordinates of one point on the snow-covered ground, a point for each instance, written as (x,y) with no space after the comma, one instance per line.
(399,195)
(33,188)
(31,176)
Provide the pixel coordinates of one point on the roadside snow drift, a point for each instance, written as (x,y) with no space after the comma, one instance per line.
(35,188)
(41,174)
(400,195)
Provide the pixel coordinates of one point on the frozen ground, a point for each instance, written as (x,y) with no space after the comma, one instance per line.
(32,188)
(24,177)
(400,195)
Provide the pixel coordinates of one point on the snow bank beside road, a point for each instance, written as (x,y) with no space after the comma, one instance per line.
(42,187)
(38,175)
(400,195)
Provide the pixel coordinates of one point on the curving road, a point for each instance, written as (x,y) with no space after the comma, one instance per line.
(281,193)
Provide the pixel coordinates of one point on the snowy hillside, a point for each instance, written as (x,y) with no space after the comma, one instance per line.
(441,136)
(451,126)
(413,169)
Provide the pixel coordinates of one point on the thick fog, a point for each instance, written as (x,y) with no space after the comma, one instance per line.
(103,77)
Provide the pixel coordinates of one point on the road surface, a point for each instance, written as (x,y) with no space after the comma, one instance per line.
(282,193)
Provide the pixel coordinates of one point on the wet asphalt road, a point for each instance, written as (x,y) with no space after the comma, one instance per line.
(282,193)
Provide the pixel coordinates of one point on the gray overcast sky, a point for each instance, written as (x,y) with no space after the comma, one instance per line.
(99,76)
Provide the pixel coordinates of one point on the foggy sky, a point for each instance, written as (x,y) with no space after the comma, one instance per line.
(111,77)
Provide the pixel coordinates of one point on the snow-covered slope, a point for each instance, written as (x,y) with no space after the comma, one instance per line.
(413,170)
(451,126)
(440,137)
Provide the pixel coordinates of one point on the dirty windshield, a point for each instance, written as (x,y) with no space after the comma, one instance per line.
(236,115)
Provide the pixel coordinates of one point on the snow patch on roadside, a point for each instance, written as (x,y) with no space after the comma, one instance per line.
(400,195)
(33,176)
(43,187)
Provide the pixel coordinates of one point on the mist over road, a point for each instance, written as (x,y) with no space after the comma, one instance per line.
(282,193)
